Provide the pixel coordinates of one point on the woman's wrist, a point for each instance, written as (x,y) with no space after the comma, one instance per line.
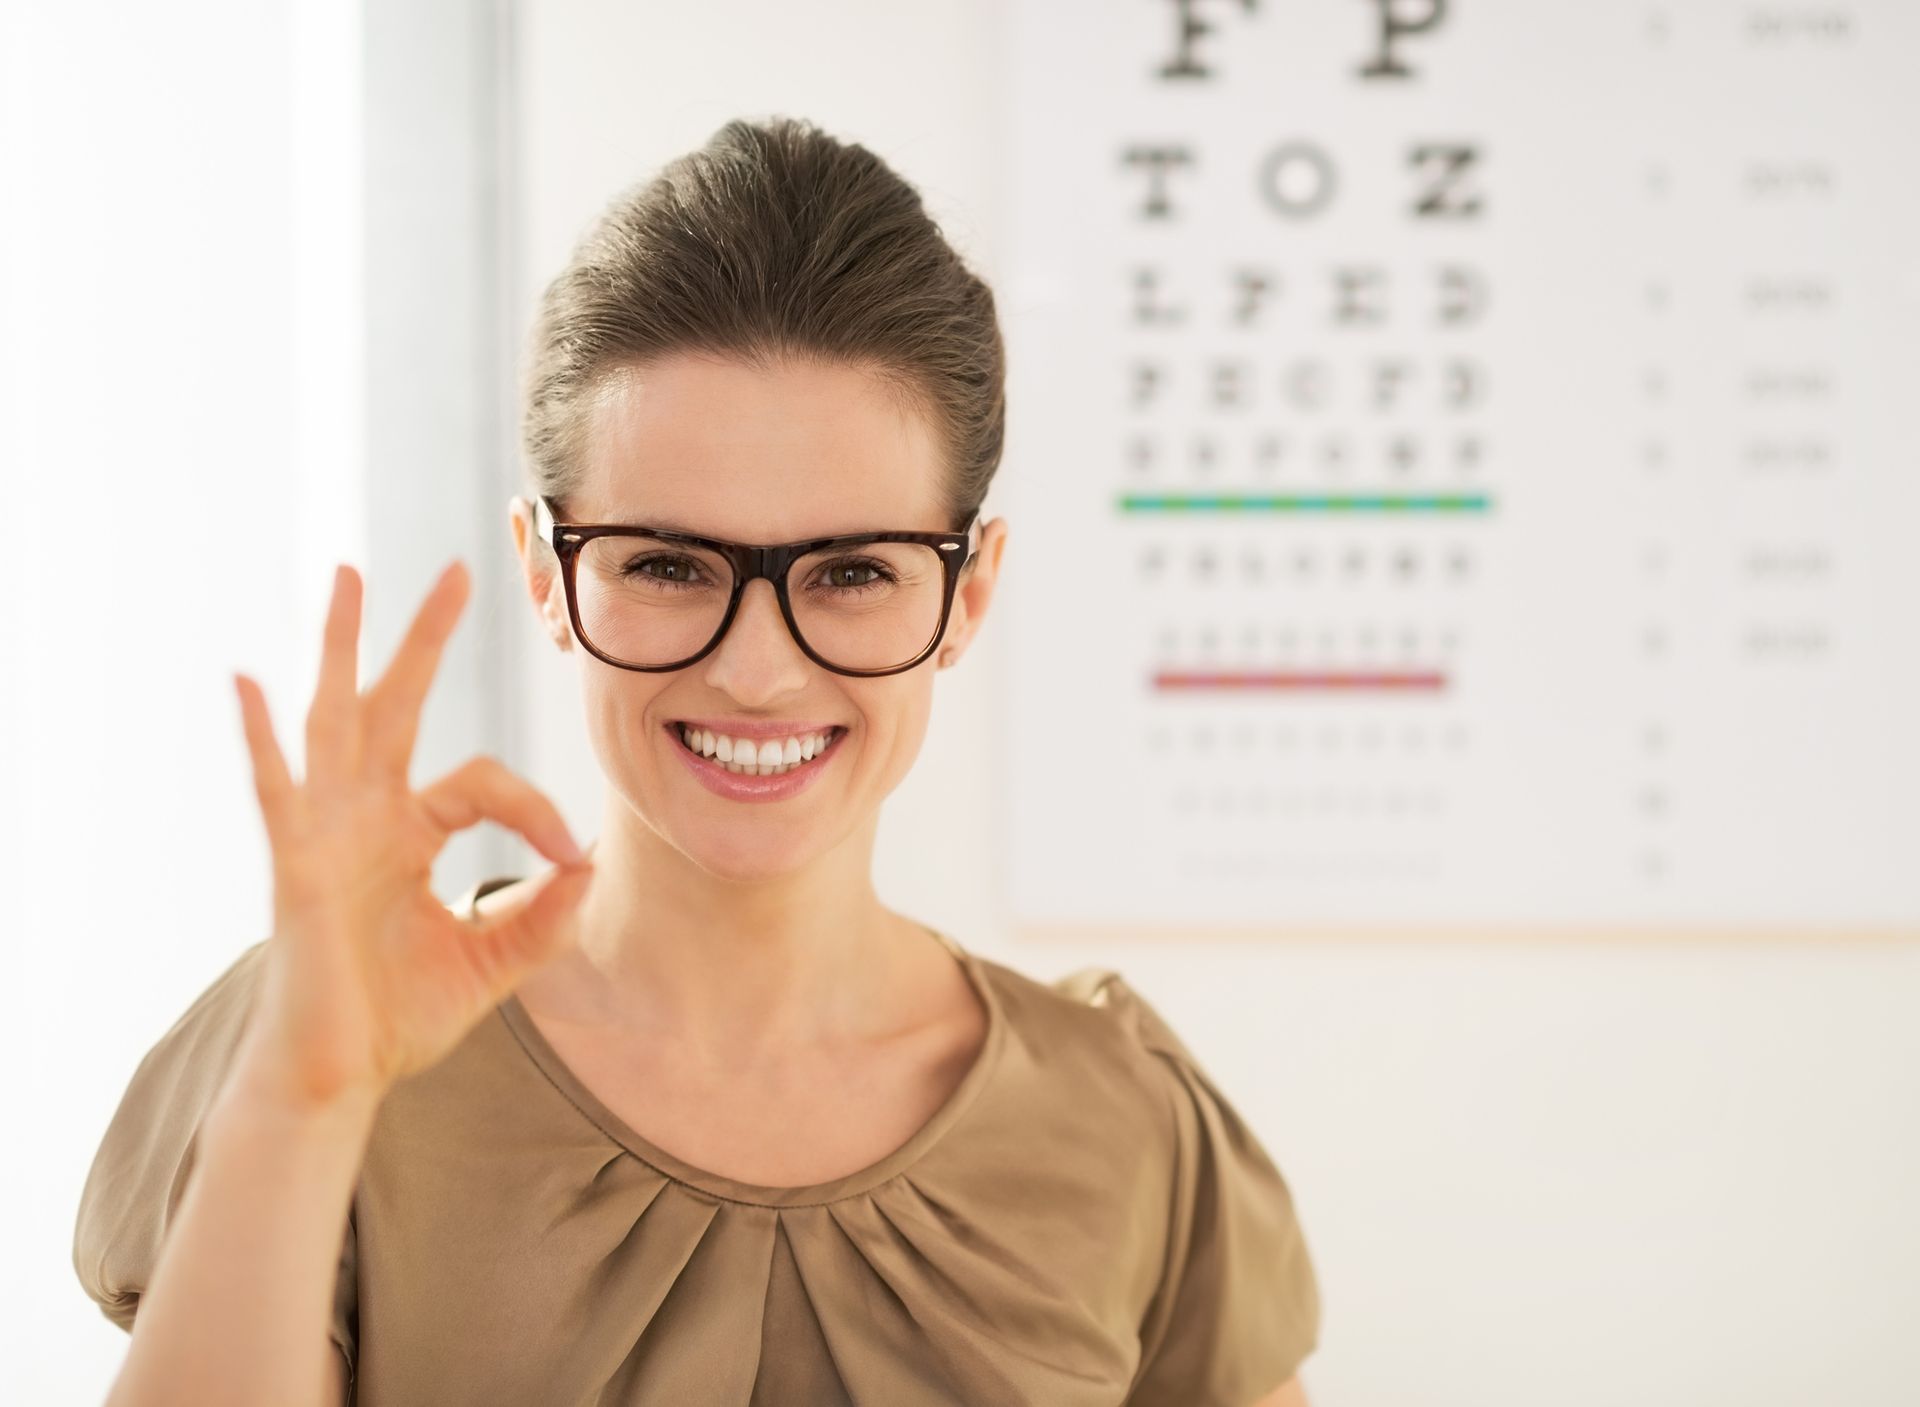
(254,1095)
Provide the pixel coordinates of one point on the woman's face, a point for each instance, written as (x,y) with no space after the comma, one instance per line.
(715,448)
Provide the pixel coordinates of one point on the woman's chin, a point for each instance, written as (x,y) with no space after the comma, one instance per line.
(743,853)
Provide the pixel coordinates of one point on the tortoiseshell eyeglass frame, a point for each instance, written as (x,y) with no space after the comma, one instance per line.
(751,561)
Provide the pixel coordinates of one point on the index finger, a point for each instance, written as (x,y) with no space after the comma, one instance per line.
(393,704)
(333,724)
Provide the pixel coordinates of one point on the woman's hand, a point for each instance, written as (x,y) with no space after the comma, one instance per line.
(370,977)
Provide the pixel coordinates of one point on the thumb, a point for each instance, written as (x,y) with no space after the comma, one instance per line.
(533,932)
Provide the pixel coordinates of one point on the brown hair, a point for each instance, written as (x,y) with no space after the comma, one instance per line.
(772,242)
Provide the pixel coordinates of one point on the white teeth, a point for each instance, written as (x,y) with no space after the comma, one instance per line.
(767,758)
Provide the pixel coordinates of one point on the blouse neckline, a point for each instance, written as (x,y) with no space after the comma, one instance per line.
(918,1144)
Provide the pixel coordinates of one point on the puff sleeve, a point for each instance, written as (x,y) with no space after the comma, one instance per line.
(139,1173)
(1238,1306)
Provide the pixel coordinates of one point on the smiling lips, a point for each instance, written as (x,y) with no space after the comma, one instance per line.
(756,757)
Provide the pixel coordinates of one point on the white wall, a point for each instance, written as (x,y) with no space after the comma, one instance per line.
(1531,1173)
(177,358)
(249,308)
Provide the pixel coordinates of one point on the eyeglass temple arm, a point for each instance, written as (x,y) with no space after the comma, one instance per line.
(542,517)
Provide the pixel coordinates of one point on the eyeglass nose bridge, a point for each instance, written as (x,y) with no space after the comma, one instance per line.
(751,564)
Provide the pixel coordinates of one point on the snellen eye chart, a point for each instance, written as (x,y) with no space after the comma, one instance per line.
(1462,467)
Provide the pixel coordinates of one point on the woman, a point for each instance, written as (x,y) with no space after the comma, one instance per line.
(693,1117)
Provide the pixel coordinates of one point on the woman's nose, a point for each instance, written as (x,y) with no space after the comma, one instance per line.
(758,655)
(758,618)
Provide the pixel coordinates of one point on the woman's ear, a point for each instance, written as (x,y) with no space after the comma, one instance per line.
(541,571)
(975,592)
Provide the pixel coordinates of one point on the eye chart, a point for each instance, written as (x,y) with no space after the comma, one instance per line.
(1463,466)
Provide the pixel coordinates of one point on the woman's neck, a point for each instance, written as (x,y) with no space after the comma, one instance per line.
(739,973)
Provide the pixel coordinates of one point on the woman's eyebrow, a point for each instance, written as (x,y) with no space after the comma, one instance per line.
(674,525)
(654,520)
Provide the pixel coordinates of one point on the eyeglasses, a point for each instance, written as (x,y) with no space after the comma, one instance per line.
(651,599)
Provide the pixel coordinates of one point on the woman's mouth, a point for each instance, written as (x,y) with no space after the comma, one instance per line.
(751,757)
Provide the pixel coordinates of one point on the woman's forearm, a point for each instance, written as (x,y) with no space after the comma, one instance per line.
(239,1302)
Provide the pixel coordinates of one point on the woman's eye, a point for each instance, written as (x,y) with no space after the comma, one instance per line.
(674,570)
(851,573)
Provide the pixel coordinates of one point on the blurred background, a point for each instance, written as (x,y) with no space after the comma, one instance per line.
(1521,827)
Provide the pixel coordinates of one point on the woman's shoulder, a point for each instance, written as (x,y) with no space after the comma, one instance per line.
(203,1038)
(139,1171)
(205,1034)
(1091,1001)
(1091,1016)
(1238,1306)
(1097,1030)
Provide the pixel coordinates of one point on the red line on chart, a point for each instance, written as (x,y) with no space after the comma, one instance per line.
(1300,679)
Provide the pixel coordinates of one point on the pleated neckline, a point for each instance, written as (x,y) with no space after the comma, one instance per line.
(713,1184)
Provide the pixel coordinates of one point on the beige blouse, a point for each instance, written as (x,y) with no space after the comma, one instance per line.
(1086,1222)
